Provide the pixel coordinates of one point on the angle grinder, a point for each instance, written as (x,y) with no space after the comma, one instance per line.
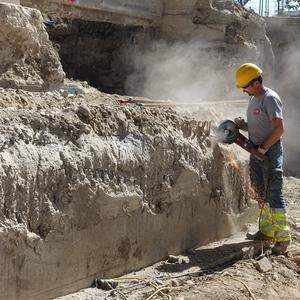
(228,133)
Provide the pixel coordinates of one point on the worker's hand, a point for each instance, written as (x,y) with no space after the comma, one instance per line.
(241,123)
(262,150)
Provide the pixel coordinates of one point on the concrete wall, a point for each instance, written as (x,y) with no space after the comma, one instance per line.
(11,1)
(283,28)
(128,12)
(145,9)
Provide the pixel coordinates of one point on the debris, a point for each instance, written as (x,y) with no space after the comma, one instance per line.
(172,259)
(183,260)
(167,289)
(71,90)
(245,285)
(248,252)
(84,111)
(263,265)
(105,285)
(115,292)
(158,281)
(190,282)
(52,22)
(192,251)
(297,226)
(296,259)
(64,93)
(175,282)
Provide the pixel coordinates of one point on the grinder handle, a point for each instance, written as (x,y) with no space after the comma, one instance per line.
(243,142)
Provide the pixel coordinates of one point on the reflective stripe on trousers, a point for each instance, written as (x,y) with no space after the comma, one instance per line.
(273,223)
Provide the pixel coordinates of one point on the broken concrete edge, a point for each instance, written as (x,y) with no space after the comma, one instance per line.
(148,10)
(109,14)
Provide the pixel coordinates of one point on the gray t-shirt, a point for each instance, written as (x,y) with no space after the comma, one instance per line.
(261,111)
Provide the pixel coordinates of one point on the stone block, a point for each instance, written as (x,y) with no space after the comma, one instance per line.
(263,265)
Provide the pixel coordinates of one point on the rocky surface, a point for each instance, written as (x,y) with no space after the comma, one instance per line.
(90,187)
(27,58)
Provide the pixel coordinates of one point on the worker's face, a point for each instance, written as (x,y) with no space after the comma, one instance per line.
(251,88)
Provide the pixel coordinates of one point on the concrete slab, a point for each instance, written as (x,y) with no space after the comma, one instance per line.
(11,1)
(126,12)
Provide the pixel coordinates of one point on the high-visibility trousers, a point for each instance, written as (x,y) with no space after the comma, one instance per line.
(273,223)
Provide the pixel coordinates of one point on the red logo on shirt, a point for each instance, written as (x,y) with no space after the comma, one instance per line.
(256,111)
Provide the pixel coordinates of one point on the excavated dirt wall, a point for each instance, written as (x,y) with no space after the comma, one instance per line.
(27,58)
(97,190)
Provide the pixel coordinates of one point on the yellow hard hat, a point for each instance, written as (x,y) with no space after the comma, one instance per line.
(246,73)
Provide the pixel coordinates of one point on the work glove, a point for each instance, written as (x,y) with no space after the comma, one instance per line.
(241,123)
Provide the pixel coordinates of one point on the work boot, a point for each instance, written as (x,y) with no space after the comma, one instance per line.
(280,248)
(258,236)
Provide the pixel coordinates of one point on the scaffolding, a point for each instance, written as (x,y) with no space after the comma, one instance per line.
(276,7)
(243,2)
(280,7)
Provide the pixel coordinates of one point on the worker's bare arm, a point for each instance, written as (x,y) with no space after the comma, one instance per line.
(277,132)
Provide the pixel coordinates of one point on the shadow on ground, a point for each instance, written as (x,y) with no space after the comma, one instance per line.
(210,260)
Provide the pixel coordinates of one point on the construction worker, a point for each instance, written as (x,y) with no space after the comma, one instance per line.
(265,127)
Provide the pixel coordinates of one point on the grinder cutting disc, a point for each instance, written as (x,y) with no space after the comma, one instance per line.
(227,132)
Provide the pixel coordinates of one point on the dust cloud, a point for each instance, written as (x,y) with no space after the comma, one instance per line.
(288,74)
(186,72)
